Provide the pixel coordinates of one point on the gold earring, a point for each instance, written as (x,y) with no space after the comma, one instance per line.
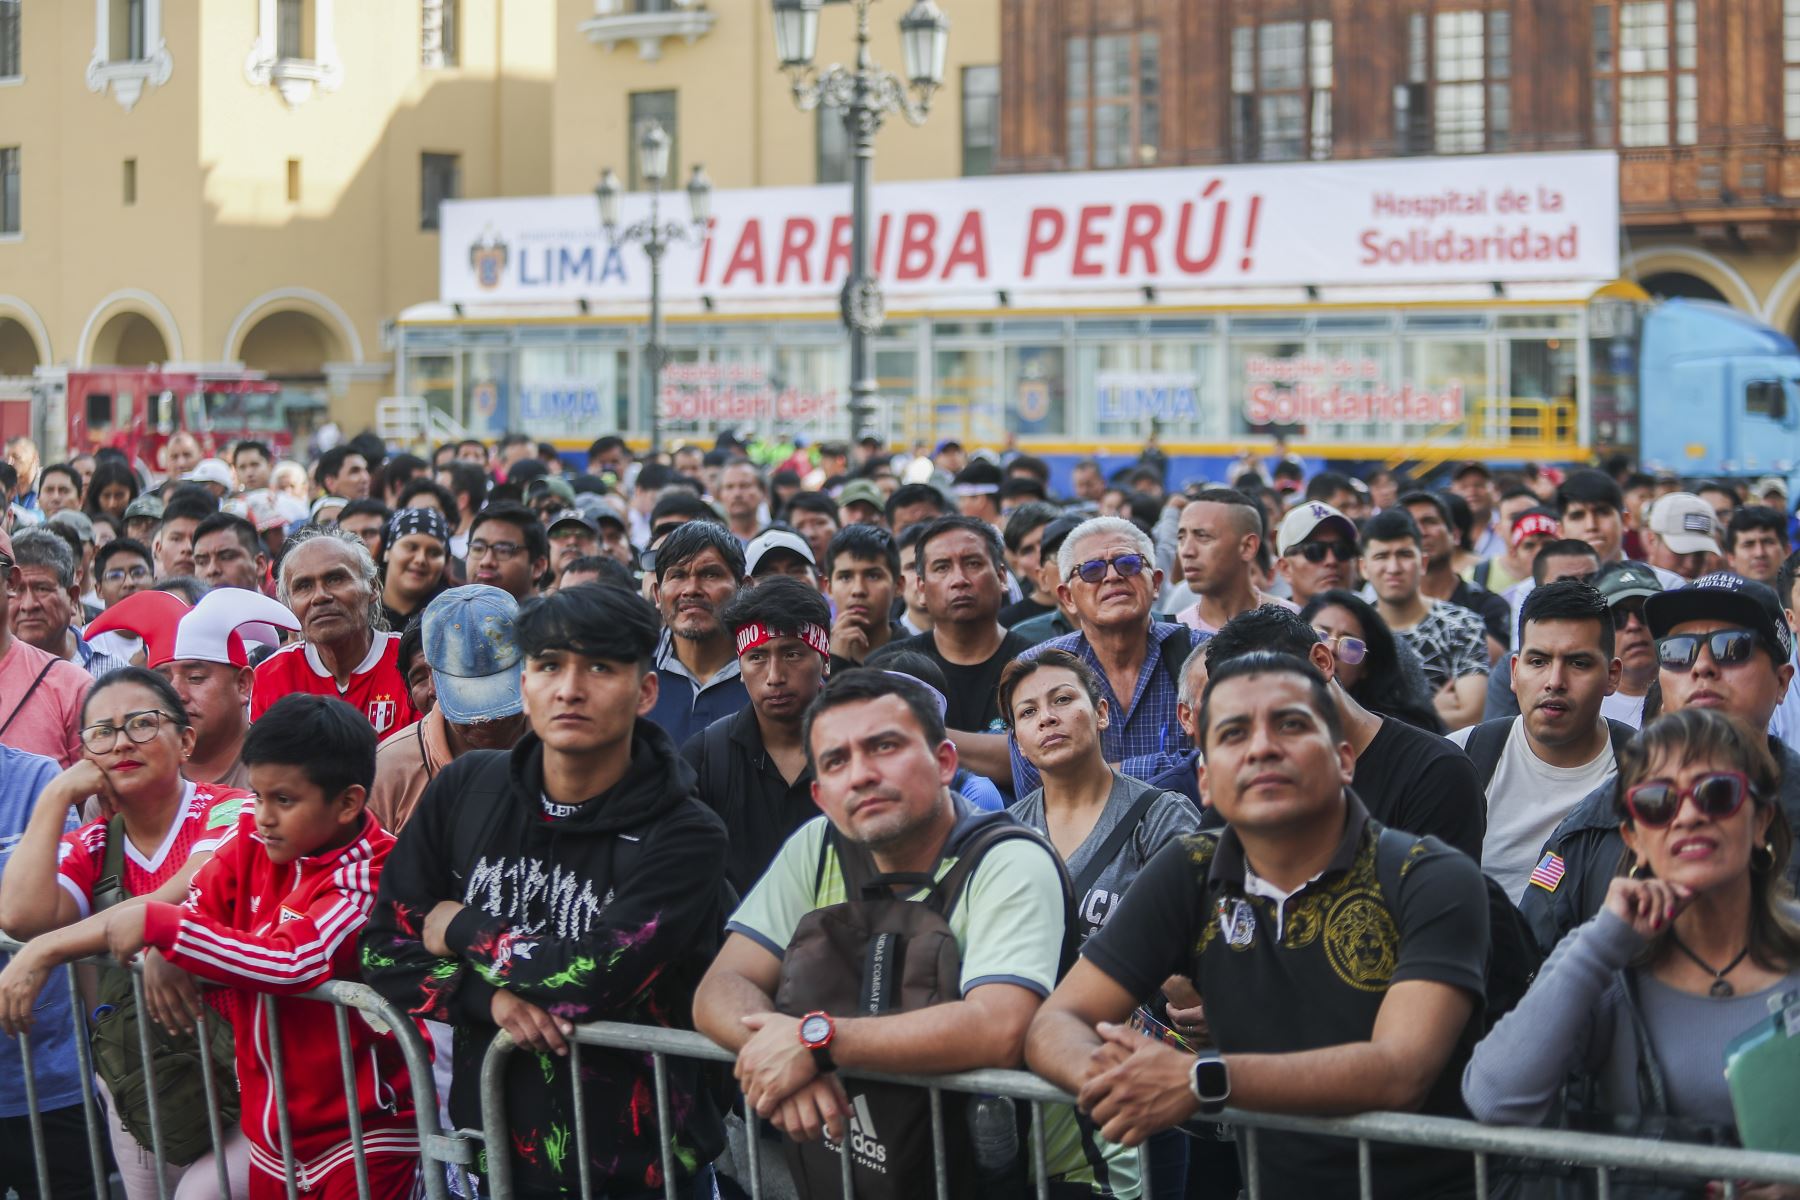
(1768,862)
(1639,870)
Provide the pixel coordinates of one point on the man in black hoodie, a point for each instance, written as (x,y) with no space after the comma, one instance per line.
(571,879)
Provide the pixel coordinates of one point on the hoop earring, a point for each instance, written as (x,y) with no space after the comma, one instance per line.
(1768,862)
(1639,870)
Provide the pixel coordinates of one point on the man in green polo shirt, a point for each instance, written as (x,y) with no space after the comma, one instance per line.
(1332,983)
(882,770)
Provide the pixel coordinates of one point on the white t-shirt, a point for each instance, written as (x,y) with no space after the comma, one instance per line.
(1627,710)
(1527,798)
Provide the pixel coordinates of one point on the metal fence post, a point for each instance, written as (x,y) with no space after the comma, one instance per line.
(40,1154)
(156,1137)
(283,1122)
(358,1149)
(209,1084)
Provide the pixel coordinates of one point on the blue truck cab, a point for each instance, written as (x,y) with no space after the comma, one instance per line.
(1719,394)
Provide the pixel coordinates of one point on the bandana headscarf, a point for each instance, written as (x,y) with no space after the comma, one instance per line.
(428,521)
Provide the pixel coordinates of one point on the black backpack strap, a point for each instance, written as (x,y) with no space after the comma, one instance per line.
(1482,573)
(1392,847)
(715,745)
(1487,742)
(19,707)
(1115,841)
(1621,735)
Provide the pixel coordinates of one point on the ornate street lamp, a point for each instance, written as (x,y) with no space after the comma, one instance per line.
(864,94)
(655,237)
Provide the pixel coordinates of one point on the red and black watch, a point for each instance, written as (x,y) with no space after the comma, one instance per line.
(816,1031)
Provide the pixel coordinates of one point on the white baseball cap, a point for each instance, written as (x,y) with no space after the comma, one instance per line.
(1685,523)
(776,539)
(1305,518)
(211,470)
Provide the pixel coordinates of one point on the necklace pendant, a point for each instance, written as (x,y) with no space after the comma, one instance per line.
(1721,989)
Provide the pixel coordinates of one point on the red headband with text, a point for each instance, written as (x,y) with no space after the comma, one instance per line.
(758,634)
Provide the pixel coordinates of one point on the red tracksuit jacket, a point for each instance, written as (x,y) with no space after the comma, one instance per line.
(261,928)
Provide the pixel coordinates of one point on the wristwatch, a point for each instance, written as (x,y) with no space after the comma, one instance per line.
(1210,1082)
(816,1031)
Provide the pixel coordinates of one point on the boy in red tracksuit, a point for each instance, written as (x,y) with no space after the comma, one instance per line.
(277,911)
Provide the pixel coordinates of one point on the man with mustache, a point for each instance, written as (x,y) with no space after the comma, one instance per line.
(329,582)
(1560,747)
(699,568)
(752,765)
(1722,642)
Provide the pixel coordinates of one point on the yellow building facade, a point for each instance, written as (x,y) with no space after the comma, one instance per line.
(251,184)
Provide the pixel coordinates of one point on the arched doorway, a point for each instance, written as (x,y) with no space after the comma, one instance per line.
(291,347)
(1668,285)
(129,339)
(18,352)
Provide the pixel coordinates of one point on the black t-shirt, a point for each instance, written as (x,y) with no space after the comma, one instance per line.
(1343,943)
(1494,611)
(1422,783)
(974,690)
(1024,610)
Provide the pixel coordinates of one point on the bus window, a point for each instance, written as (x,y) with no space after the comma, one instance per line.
(99,411)
(1765,398)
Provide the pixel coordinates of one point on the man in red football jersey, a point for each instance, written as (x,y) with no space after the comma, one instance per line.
(330,583)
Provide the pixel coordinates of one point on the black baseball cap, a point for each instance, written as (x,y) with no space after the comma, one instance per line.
(1723,596)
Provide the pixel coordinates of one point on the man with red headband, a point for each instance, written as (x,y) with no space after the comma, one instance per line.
(202,652)
(752,764)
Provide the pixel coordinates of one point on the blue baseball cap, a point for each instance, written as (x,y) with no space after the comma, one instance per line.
(473,649)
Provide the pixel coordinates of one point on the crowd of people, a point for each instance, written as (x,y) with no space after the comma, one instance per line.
(1468,794)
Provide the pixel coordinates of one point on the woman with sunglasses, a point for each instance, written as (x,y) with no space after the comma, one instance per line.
(1698,931)
(135,736)
(1381,672)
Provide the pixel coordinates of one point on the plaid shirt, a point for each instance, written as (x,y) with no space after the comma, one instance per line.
(1144,737)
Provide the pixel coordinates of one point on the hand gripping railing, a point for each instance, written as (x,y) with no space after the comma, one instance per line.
(1602,1154)
(436,1146)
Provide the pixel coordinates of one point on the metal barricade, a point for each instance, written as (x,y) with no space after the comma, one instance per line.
(1602,1155)
(440,1151)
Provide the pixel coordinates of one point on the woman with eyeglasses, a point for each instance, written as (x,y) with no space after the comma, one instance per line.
(1381,672)
(1104,825)
(1697,933)
(135,736)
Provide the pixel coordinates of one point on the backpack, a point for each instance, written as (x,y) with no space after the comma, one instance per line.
(175,1072)
(1513,954)
(879,953)
(1487,744)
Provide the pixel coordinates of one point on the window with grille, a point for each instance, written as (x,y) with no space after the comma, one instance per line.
(9,189)
(980,119)
(440,179)
(1281,77)
(439,30)
(1113,86)
(1646,90)
(9,39)
(1790,55)
(834,146)
(1456,97)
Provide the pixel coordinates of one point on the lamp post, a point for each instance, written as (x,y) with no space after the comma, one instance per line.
(865,94)
(655,237)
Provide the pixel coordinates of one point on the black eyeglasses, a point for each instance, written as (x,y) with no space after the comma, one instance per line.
(1716,796)
(121,574)
(139,728)
(1129,566)
(1730,647)
(1315,552)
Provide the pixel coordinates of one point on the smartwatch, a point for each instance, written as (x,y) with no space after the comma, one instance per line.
(816,1031)
(1210,1082)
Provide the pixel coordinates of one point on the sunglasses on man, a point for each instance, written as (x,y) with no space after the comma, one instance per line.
(1729,648)
(1315,552)
(1129,566)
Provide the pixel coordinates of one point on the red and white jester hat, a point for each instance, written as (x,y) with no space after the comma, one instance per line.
(213,630)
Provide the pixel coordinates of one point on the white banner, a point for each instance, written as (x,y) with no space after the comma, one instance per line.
(1479,219)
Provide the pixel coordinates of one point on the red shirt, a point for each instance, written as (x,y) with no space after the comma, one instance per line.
(376,689)
(209,814)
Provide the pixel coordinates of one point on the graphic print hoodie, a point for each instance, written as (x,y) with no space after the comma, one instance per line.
(611,912)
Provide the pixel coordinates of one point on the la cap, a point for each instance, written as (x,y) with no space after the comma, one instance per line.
(1305,519)
(473,649)
(1685,523)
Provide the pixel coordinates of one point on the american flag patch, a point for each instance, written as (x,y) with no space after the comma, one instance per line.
(1548,873)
